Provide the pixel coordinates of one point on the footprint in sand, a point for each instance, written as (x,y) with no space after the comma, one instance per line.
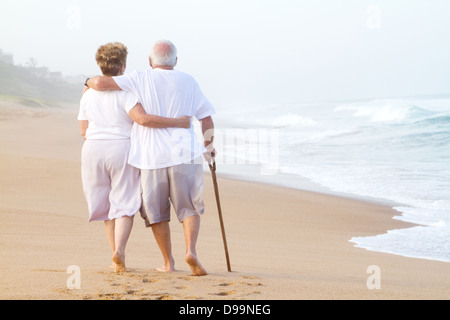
(181,287)
(224,293)
(225,284)
(256,283)
(165,297)
(109,296)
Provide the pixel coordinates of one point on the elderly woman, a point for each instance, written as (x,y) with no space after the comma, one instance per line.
(111,186)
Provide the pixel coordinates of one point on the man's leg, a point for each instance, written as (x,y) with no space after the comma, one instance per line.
(161,231)
(156,205)
(186,194)
(191,226)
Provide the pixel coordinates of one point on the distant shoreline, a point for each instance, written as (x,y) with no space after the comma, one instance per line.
(33,89)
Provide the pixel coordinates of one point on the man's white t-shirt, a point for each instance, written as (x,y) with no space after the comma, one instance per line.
(107,113)
(166,93)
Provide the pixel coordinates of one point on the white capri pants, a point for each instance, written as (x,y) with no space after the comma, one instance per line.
(111,186)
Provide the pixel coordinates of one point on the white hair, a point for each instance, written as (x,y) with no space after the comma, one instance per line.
(163,53)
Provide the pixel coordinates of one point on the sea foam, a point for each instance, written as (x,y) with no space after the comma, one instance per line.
(396,150)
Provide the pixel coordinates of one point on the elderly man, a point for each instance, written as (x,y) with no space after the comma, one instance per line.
(170,159)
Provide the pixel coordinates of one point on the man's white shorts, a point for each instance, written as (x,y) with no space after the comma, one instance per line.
(111,186)
(181,185)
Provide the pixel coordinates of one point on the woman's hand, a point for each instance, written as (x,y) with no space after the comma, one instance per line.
(184,122)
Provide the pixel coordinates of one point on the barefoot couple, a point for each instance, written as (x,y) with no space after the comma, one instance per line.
(141,153)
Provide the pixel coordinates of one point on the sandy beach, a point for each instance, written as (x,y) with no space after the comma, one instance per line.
(284,243)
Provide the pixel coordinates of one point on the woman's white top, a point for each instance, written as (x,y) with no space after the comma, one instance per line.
(107,113)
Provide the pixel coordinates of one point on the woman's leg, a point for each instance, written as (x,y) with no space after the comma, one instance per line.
(125,197)
(122,232)
(109,228)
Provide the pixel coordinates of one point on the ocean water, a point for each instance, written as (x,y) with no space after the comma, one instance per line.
(393,150)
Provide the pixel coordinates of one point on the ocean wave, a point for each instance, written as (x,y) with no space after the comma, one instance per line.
(292,120)
(387,112)
(330,134)
(435,120)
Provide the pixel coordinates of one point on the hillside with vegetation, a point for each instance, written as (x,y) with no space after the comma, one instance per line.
(29,87)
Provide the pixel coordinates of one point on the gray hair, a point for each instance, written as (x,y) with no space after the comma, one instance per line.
(163,53)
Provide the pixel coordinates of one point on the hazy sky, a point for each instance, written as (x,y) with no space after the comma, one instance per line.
(249,51)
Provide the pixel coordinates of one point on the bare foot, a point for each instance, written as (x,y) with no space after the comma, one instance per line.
(120,263)
(168,267)
(196,268)
(164,269)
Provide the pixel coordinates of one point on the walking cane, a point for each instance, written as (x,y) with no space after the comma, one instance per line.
(216,190)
